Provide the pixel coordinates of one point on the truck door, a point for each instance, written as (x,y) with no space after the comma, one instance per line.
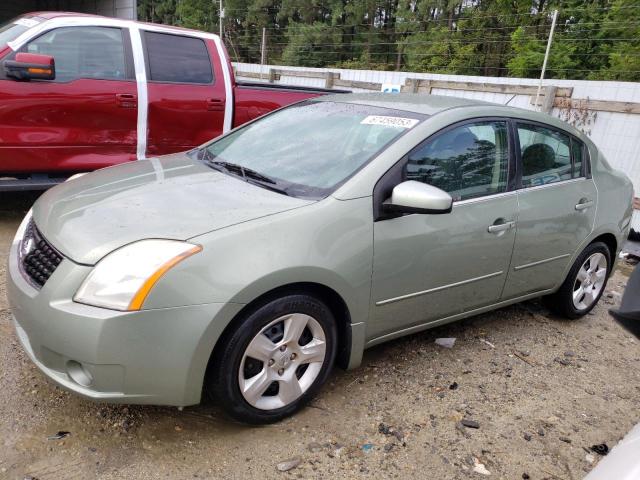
(185,90)
(85,118)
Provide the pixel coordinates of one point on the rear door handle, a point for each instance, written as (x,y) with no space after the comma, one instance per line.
(501,227)
(583,205)
(126,100)
(215,105)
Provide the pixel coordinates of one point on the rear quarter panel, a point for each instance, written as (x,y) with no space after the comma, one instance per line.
(615,198)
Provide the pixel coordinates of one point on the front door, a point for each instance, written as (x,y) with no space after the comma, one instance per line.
(430,267)
(86,118)
(557,203)
(186,93)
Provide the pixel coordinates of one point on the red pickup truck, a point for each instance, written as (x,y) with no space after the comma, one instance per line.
(80,92)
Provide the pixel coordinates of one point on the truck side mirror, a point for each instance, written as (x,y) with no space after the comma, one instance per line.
(31,66)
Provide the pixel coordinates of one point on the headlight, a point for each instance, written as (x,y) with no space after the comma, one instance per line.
(17,239)
(123,279)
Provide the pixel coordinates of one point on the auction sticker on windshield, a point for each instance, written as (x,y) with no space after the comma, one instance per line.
(390,121)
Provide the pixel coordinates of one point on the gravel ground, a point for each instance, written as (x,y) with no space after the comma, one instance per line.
(541,389)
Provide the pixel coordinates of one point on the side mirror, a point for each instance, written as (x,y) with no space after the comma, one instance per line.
(31,66)
(418,197)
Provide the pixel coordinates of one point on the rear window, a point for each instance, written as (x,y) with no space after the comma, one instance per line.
(177,59)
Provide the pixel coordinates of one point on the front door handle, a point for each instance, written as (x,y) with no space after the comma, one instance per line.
(215,105)
(126,100)
(501,227)
(584,204)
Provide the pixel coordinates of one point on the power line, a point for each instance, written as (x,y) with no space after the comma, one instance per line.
(438,54)
(431,68)
(568,11)
(445,42)
(458,29)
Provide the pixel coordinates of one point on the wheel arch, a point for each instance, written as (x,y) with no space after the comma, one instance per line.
(604,235)
(326,294)
(610,240)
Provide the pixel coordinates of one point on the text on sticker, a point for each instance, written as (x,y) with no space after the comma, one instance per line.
(389,121)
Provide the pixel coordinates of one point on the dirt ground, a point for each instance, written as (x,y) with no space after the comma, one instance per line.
(541,388)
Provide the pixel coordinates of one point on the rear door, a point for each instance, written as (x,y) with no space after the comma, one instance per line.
(557,205)
(186,92)
(84,119)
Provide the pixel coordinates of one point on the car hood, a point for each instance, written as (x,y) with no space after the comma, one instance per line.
(171,197)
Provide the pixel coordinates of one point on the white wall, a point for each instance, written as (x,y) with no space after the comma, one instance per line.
(118,8)
(616,134)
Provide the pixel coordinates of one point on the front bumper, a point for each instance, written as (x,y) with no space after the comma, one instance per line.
(154,356)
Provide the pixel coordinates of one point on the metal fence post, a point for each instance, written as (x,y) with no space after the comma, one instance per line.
(546,56)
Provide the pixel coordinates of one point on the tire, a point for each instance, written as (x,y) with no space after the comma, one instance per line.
(563,303)
(287,335)
(634,235)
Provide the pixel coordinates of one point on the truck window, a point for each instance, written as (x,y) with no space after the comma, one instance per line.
(83,52)
(177,59)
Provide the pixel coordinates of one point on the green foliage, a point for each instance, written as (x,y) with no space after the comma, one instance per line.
(595,39)
(528,56)
(310,45)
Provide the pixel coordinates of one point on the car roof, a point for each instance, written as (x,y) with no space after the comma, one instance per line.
(432,104)
(46,15)
(49,15)
(410,102)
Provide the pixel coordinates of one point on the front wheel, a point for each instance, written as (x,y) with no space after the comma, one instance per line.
(275,360)
(585,282)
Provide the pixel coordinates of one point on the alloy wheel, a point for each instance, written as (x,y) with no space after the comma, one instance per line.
(590,281)
(282,361)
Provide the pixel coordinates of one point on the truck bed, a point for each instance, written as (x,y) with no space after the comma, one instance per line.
(253,99)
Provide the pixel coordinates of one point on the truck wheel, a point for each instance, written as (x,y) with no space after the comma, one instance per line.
(275,360)
(584,284)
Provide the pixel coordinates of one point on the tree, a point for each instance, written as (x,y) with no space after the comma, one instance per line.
(597,39)
(528,56)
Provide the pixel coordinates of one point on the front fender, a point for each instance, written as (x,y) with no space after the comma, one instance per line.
(329,243)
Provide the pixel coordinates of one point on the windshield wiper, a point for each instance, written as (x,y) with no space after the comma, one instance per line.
(249,175)
(268,185)
(243,171)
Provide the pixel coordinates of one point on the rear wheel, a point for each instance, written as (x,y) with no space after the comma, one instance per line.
(585,282)
(275,360)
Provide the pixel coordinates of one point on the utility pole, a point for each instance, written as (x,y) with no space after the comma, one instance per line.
(263,50)
(546,56)
(221,16)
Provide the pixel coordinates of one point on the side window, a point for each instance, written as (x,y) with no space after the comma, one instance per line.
(468,161)
(577,154)
(83,52)
(545,155)
(177,59)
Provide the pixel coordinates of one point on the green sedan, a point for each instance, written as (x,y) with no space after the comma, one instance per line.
(246,269)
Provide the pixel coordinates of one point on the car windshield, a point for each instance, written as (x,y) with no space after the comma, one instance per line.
(308,149)
(14,28)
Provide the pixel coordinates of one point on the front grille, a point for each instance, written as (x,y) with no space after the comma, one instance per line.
(39,259)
